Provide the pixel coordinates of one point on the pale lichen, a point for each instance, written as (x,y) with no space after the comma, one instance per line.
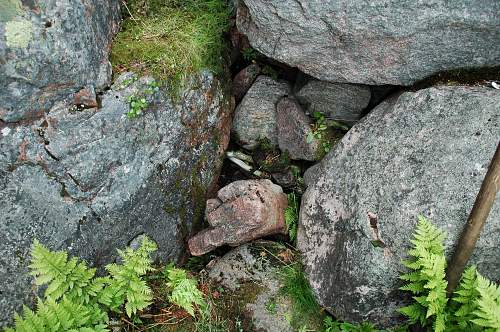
(18,33)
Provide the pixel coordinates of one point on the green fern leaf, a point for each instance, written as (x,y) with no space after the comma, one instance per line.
(63,277)
(185,292)
(488,304)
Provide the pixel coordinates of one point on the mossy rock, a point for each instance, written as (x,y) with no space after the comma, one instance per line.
(258,276)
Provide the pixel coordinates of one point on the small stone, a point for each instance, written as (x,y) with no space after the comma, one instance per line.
(337,101)
(244,80)
(293,128)
(255,116)
(243,211)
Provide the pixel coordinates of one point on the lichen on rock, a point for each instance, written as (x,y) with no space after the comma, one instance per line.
(18,33)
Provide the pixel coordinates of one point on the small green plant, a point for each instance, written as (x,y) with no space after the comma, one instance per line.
(319,130)
(331,325)
(126,83)
(249,54)
(427,277)
(475,306)
(272,306)
(185,292)
(137,106)
(292,215)
(296,287)
(270,71)
(76,300)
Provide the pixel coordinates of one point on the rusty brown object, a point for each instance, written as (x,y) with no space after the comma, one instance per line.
(475,222)
(86,98)
(243,211)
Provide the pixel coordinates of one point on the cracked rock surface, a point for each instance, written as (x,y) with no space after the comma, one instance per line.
(373,42)
(50,49)
(402,160)
(91,181)
(244,210)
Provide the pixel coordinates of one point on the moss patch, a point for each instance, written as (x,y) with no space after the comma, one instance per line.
(469,76)
(171,39)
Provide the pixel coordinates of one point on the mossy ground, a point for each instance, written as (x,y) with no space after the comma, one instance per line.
(171,39)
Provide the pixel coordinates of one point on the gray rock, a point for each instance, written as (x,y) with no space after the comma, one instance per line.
(255,116)
(293,128)
(51,49)
(340,102)
(91,181)
(374,42)
(422,153)
(252,272)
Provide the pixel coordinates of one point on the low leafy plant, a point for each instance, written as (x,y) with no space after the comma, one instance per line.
(137,106)
(270,71)
(249,54)
(475,306)
(76,300)
(185,292)
(331,325)
(292,215)
(319,130)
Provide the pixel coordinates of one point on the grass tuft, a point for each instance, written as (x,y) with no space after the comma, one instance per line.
(296,286)
(170,39)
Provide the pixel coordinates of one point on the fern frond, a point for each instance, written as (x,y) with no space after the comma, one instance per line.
(415,312)
(464,299)
(427,278)
(185,292)
(54,316)
(126,283)
(63,277)
(488,304)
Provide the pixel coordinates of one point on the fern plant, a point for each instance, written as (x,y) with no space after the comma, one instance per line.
(76,300)
(487,310)
(185,290)
(427,279)
(475,305)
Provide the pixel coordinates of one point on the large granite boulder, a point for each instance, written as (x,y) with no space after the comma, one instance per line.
(89,181)
(420,153)
(374,42)
(50,49)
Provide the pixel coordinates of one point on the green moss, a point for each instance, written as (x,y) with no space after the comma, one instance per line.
(469,76)
(171,39)
(270,158)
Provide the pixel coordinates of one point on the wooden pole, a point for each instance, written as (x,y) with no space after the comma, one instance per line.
(477,219)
